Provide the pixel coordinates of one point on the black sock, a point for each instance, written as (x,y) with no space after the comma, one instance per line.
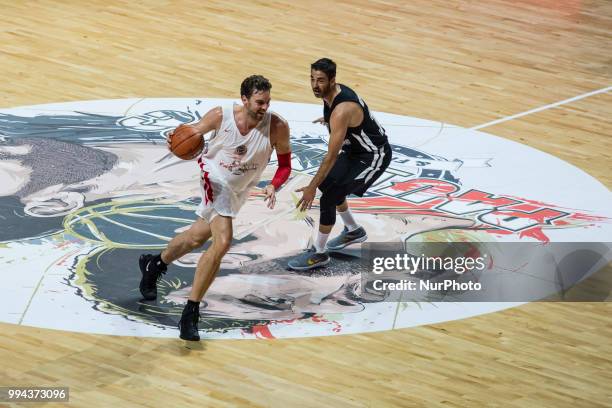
(192,304)
(158,261)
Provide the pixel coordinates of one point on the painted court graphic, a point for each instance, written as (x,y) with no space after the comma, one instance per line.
(89,186)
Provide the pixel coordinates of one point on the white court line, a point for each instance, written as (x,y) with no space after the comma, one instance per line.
(552,105)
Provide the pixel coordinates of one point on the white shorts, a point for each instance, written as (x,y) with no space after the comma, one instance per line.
(218,199)
(207,213)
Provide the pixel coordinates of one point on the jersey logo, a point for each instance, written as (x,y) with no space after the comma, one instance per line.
(241,150)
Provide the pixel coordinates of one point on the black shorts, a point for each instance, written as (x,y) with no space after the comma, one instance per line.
(354,174)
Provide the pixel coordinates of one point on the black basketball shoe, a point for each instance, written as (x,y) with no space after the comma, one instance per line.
(188,325)
(152,269)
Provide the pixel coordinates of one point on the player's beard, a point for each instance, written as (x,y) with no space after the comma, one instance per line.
(318,92)
(256,115)
(323,92)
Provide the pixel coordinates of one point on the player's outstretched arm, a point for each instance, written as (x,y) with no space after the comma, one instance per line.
(279,134)
(339,122)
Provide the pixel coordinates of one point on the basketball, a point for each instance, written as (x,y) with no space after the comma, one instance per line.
(186,143)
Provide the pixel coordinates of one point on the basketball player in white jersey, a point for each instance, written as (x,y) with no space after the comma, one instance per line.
(231,164)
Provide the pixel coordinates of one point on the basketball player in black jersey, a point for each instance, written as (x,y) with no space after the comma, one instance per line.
(358,153)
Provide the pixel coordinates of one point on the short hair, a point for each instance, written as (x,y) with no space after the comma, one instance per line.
(254,83)
(325,65)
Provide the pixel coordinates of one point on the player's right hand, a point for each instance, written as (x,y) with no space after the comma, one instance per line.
(308,196)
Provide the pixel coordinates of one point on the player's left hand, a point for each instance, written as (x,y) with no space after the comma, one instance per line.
(270,197)
(169,139)
(308,196)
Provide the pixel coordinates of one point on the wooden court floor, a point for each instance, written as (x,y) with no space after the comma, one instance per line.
(462,62)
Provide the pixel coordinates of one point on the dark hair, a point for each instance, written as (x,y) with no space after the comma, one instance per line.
(325,65)
(254,83)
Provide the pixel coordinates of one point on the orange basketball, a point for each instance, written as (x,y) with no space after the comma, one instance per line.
(186,142)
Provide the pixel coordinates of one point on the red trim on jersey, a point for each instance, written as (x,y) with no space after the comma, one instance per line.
(208,191)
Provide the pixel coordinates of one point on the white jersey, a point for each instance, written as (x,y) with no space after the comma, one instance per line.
(232,164)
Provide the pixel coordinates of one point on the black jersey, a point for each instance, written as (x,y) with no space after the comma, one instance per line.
(367,138)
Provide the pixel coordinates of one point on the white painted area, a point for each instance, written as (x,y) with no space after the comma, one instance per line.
(411,314)
(104,107)
(35,292)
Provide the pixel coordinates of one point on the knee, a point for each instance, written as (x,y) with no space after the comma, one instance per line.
(221,245)
(196,240)
(327,209)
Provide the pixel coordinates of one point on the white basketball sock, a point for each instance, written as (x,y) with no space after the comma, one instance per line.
(320,242)
(348,220)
